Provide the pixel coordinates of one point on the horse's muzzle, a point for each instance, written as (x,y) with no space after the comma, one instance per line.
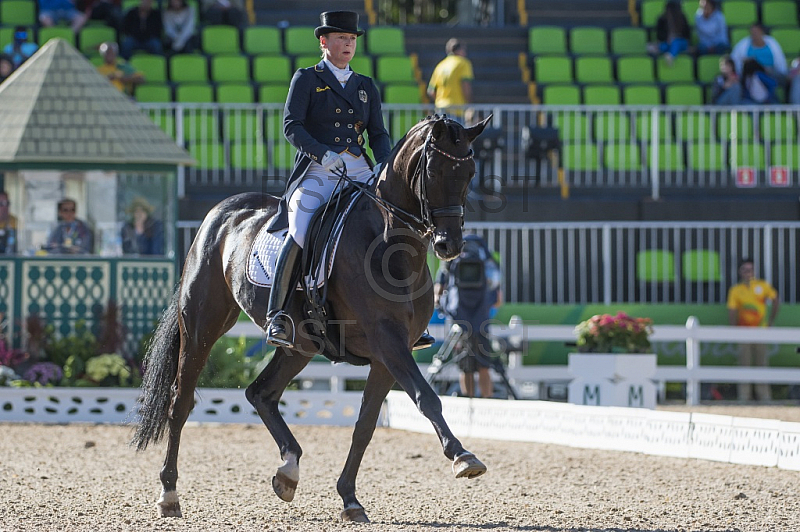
(447,247)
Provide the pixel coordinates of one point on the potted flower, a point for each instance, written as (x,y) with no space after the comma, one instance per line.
(613,365)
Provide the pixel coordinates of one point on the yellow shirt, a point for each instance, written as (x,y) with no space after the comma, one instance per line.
(123,69)
(446,80)
(750,301)
(11,223)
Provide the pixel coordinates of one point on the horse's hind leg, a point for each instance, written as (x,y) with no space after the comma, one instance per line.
(264,394)
(201,326)
(379,382)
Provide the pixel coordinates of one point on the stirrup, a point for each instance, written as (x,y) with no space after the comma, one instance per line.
(425,341)
(276,331)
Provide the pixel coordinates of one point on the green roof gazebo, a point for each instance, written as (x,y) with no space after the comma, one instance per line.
(66,132)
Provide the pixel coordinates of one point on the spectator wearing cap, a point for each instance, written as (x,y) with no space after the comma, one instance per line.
(20,49)
(119,72)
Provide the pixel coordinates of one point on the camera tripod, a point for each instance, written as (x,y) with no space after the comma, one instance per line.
(449,353)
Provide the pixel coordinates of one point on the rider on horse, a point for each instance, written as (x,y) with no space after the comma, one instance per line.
(327,112)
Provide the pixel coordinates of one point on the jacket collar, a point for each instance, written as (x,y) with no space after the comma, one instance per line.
(348,92)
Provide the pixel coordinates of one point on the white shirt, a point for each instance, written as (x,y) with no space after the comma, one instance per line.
(342,74)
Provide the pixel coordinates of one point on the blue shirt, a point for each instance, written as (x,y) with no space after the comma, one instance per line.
(711,31)
(26,50)
(763,55)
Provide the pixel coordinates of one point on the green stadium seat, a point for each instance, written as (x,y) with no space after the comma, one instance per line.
(553,69)
(744,129)
(689,8)
(401,94)
(670,156)
(271,69)
(7,35)
(778,127)
(740,12)
(588,41)
(747,154)
(194,93)
(209,155)
(154,67)
(644,122)
(706,156)
(694,125)
(91,37)
(17,13)
(362,65)
(200,125)
(391,69)
(628,41)
(163,118)
(641,95)
(53,32)
(561,95)
(655,265)
(220,40)
(612,126)
(248,155)
(188,68)
(622,156)
(386,40)
(601,95)
(573,126)
(153,93)
(635,69)
(776,13)
(581,156)
(282,155)
(235,93)
(400,123)
(230,69)
(305,61)
(785,154)
(701,265)
(707,68)
(547,40)
(737,34)
(241,124)
(300,40)
(262,40)
(681,71)
(788,38)
(683,94)
(594,70)
(650,11)
(273,93)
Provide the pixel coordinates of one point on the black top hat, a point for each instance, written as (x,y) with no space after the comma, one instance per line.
(339,22)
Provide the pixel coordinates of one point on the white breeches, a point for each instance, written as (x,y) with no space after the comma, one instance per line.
(316,188)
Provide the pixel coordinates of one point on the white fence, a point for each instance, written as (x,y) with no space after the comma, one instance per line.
(640,147)
(630,262)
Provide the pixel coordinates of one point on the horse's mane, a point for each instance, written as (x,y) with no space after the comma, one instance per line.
(452,127)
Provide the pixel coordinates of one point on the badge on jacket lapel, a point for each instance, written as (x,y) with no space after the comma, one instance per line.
(362,95)
(323,89)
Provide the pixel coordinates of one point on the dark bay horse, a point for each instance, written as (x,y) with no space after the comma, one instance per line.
(380,289)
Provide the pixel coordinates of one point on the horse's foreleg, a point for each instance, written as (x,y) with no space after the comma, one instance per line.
(405,370)
(264,394)
(379,382)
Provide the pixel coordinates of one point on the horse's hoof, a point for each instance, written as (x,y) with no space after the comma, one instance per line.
(284,487)
(467,465)
(355,514)
(168,505)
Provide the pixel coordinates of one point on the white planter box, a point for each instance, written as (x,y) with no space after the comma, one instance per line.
(612,380)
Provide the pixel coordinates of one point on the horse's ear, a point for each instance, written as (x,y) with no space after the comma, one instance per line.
(438,130)
(477,129)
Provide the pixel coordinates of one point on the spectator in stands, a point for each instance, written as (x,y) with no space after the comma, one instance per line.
(672,33)
(119,72)
(8,226)
(763,49)
(71,235)
(712,31)
(727,89)
(758,87)
(51,12)
(179,27)
(6,66)
(142,27)
(109,11)
(20,49)
(230,12)
(142,234)
(747,307)
(451,81)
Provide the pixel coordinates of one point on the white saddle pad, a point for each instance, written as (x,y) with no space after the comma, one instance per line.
(264,254)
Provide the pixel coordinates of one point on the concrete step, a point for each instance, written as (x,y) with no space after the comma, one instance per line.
(302,12)
(608,13)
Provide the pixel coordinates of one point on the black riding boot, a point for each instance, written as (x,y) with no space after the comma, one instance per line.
(426,340)
(283,284)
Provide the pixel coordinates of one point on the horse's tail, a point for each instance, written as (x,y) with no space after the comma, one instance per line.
(160,368)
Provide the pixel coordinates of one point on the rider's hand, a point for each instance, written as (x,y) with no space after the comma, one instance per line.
(332,161)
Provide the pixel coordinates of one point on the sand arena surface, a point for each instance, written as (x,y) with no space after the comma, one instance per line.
(85,477)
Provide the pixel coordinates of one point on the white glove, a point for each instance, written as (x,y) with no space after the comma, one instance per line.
(332,161)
